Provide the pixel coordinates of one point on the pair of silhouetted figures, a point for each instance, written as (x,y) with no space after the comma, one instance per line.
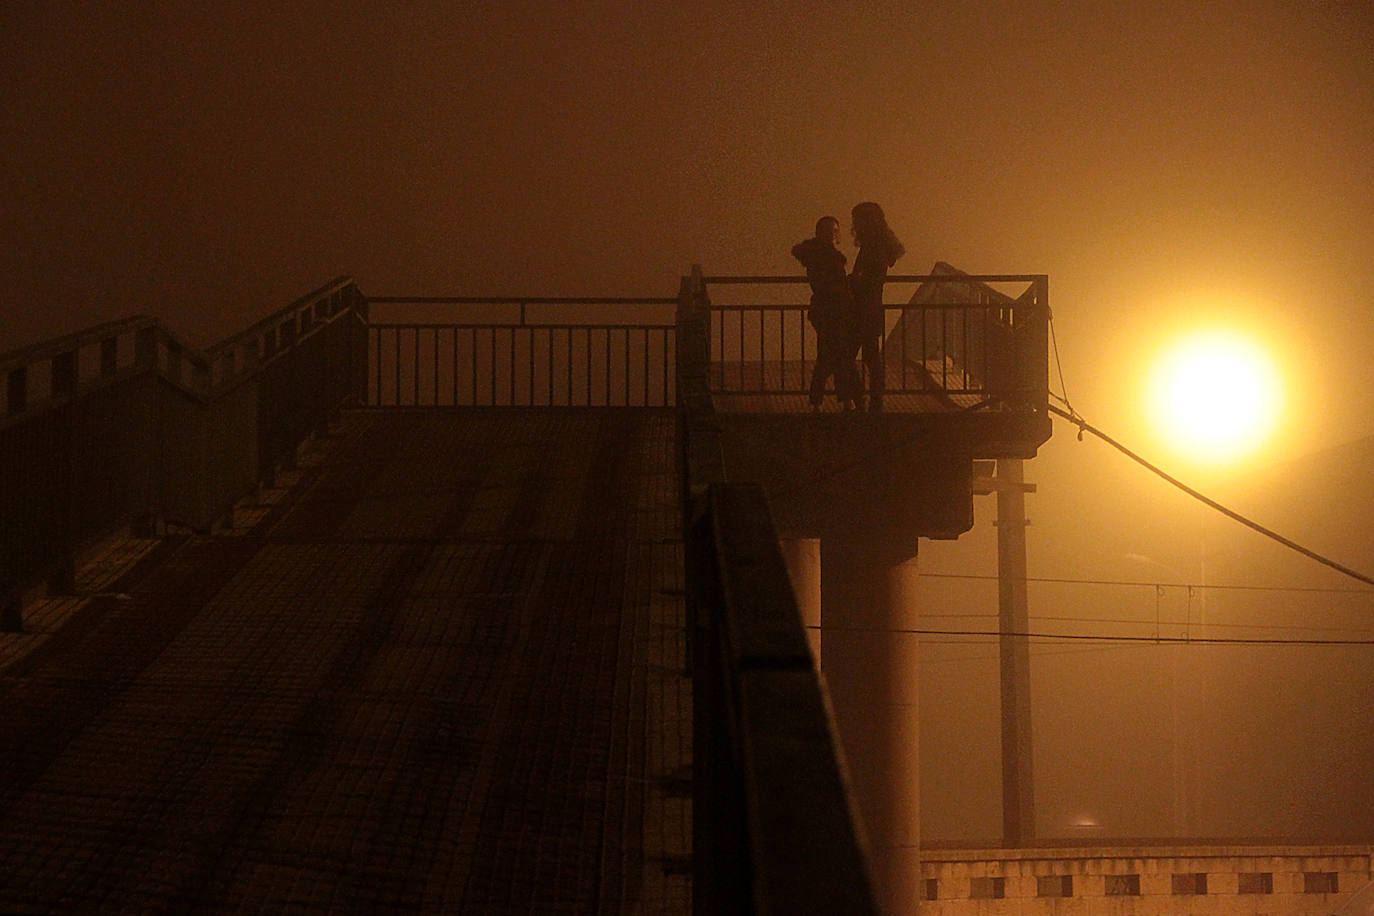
(847,309)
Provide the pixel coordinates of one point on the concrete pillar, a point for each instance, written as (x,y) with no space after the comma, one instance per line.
(868,597)
(803,559)
(1018,783)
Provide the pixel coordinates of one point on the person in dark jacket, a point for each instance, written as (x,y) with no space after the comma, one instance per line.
(878,250)
(832,314)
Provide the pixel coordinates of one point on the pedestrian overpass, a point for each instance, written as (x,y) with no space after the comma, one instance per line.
(483,604)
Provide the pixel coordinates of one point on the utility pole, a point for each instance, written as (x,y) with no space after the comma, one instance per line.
(1018,788)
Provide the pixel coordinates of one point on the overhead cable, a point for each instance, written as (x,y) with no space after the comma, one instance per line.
(1145,584)
(1084,426)
(1092,637)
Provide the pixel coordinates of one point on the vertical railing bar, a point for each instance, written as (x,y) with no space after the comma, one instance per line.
(664,334)
(398,366)
(606,375)
(109,356)
(379,363)
(723,359)
(763,358)
(627,367)
(882,334)
(549,337)
(436,367)
(455,367)
(570,367)
(415,371)
(906,349)
(512,364)
(964,373)
(926,312)
(963,346)
(492,339)
(944,351)
(646,367)
(986,317)
(902,323)
(473,337)
(782,349)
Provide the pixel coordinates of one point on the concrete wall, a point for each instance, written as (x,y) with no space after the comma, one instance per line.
(1297,875)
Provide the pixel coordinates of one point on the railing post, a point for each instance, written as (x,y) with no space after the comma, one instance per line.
(359,347)
(109,357)
(148,522)
(145,348)
(17,388)
(64,374)
(175,358)
(201,377)
(64,378)
(63,579)
(12,616)
(693,335)
(1041,384)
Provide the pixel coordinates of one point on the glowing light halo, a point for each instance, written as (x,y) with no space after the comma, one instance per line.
(1215,396)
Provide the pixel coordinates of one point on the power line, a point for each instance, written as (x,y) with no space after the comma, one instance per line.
(1144,584)
(1161,622)
(1091,637)
(1083,426)
(1197,623)
(1054,343)
(992,655)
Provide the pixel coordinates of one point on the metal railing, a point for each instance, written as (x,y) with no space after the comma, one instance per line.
(958,334)
(530,353)
(127,423)
(773,830)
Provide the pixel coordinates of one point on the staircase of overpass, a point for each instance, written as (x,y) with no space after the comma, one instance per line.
(479,604)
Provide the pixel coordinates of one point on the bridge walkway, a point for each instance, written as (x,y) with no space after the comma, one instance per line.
(441,672)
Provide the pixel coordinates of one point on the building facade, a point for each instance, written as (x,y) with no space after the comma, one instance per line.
(1143,880)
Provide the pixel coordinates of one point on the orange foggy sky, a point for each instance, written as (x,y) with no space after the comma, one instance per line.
(209,163)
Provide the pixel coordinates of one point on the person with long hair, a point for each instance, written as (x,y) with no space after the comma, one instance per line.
(879,249)
(832,314)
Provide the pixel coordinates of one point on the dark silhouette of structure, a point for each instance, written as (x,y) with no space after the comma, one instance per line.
(351,613)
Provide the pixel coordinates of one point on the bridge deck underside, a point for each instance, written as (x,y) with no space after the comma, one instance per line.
(444,673)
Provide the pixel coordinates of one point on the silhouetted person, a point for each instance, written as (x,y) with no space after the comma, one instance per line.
(878,250)
(832,314)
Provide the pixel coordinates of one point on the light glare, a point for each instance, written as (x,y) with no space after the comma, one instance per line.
(1216,397)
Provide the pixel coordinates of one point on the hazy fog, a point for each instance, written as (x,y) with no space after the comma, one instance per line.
(1163,163)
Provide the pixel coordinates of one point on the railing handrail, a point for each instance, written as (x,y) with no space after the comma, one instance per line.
(977,335)
(522,300)
(891,278)
(49,347)
(276,318)
(890,306)
(157,430)
(537,325)
(772,827)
